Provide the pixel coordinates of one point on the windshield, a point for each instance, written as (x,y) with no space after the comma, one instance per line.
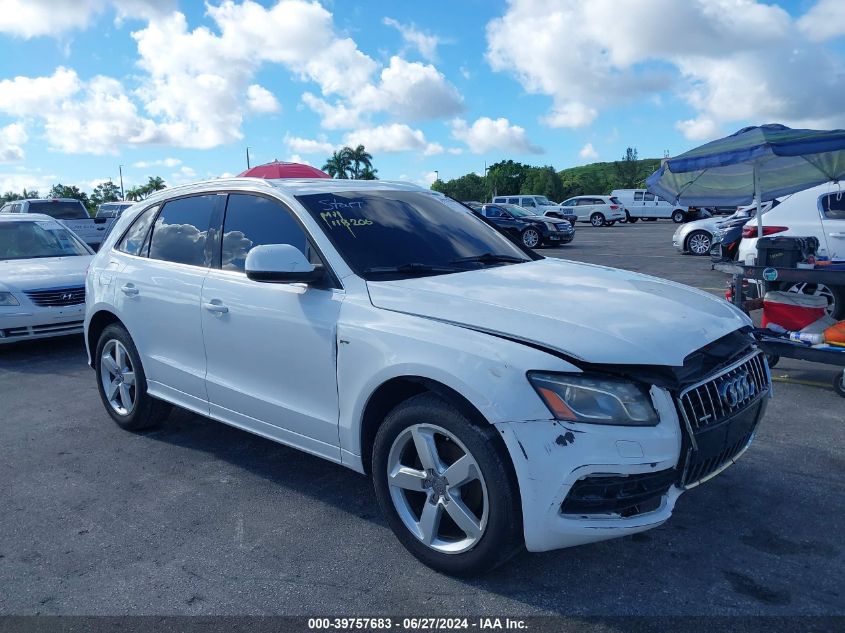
(29,240)
(389,229)
(544,201)
(60,210)
(517,210)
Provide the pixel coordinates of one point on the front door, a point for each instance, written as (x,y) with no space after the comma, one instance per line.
(270,348)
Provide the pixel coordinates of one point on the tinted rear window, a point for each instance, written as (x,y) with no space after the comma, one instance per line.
(60,210)
(614,200)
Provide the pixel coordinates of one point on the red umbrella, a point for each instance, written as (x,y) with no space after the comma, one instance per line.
(278,169)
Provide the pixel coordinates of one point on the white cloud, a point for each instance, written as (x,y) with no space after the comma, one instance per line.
(259,99)
(31,181)
(424,42)
(337,116)
(824,20)
(296,158)
(487,134)
(24,96)
(731,60)
(320,145)
(34,18)
(11,138)
(699,129)
(588,152)
(395,137)
(161,162)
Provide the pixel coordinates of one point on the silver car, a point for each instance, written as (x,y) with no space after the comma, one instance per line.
(697,237)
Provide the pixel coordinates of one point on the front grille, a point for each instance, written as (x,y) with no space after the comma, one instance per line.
(34,330)
(618,494)
(56,297)
(720,415)
(708,403)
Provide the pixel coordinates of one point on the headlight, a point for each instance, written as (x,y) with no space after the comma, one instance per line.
(8,299)
(595,399)
(551,226)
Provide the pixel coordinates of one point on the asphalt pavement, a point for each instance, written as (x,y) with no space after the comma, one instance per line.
(200,518)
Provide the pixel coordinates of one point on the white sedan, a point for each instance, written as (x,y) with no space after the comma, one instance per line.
(42,278)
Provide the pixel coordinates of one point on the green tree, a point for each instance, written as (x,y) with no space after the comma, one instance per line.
(69,191)
(359,160)
(468,187)
(337,165)
(136,193)
(368,173)
(105,192)
(505,178)
(154,183)
(629,174)
(543,181)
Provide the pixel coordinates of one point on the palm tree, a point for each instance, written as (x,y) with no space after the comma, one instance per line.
(368,173)
(136,193)
(337,166)
(360,160)
(154,184)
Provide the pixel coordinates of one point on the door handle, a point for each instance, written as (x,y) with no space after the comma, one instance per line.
(215,307)
(836,234)
(129,290)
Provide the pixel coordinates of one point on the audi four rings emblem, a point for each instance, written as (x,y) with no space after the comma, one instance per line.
(736,389)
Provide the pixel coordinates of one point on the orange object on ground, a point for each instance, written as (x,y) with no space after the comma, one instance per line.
(791,310)
(835,333)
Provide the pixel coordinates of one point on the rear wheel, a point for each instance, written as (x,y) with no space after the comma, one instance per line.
(443,485)
(699,243)
(597,219)
(530,238)
(610,223)
(678,216)
(122,383)
(835,296)
(839,384)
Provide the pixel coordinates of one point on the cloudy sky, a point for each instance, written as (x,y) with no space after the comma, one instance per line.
(181,88)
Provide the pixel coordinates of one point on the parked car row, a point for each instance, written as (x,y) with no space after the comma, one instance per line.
(533,231)
(69,211)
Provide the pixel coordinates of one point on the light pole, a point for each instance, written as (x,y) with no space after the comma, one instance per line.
(122,195)
(247,157)
(436,175)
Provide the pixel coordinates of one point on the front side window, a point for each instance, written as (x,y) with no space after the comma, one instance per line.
(408,232)
(180,233)
(569,203)
(510,200)
(638,196)
(34,240)
(60,210)
(528,202)
(252,221)
(494,212)
(136,241)
(833,206)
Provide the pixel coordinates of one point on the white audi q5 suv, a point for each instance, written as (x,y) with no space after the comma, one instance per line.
(498,399)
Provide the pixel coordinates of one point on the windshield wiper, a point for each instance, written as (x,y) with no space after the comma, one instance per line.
(490,258)
(411,268)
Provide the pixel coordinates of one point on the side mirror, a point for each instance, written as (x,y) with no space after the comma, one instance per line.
(281,263)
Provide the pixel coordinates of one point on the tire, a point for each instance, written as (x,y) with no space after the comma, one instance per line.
(597,219)
(129,405)
(773,360)
(611,223)
(531,238)
(625,219)
(650,219)
(678,216)
(699,243)
(839,384)
(835,296)
(495,532)
(631,220)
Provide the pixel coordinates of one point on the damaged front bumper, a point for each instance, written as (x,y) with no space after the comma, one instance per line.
(634,466)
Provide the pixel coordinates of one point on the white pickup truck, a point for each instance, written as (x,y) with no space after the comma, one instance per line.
(70,212)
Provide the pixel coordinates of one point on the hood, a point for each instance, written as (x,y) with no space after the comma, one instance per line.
(47,272)
(708,224)
(592,313)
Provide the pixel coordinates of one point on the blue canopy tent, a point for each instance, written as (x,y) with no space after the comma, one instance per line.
(757,163)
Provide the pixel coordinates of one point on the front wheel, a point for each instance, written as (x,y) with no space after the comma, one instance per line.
(678,216)
(611,223)
(530,238)
(122,383)
(699,243)
(444,487)
(597,219)
(839,384)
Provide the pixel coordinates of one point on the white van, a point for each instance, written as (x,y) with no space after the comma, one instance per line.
(536,203)
(640,204)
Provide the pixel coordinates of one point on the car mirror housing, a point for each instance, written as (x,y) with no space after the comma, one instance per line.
(281,263)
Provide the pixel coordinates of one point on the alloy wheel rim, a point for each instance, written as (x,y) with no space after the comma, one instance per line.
(816,290)
(597,220)
(699,244)
(437,489)
(118,377)
(530,238)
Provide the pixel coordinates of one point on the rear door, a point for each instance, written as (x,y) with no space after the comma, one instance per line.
(833,222)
